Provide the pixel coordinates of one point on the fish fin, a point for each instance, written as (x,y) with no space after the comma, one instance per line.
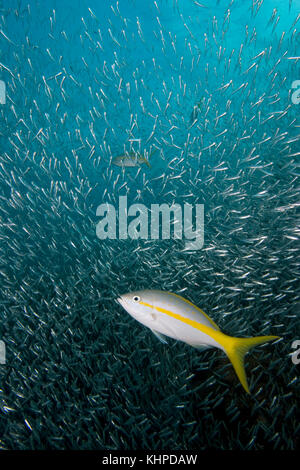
(237,348)
(160,336)
(200,347)
(146,162)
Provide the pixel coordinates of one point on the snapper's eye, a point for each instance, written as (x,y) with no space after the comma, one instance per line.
(136,298)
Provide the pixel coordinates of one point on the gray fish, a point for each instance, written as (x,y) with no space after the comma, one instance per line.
(130,160)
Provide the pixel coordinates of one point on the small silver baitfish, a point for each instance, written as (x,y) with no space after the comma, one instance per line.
(196,109)
(168,314)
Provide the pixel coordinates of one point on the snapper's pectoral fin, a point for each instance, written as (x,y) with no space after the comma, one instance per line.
(161,337)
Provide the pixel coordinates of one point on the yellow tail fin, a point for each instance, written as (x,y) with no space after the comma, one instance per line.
(236,348)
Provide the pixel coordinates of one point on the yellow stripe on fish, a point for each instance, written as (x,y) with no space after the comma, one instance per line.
(195,306)
(187,321)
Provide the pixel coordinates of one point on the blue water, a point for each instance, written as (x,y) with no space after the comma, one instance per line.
(86,82)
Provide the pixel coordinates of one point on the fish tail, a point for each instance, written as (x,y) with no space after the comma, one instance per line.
(237,348)
(147,162)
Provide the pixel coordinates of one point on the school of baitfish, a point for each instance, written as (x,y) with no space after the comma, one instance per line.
(178,102)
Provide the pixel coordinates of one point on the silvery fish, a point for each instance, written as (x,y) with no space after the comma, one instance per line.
(168,314)
(130,160)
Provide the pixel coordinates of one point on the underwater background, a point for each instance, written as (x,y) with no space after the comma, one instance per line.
(204,90)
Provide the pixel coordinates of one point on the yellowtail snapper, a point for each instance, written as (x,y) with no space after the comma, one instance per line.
(168,314)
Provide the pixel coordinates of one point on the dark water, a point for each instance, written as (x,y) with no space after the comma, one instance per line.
(207,93)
